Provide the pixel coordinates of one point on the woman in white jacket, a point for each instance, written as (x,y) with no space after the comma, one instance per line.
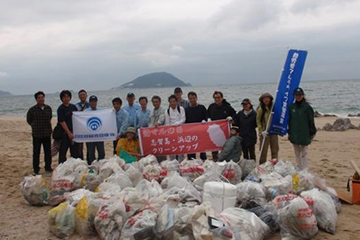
(175,115)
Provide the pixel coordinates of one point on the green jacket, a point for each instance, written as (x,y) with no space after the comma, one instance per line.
(261,123)
(231,149)
(301,123)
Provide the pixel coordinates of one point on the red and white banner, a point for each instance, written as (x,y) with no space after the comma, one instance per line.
(184,139)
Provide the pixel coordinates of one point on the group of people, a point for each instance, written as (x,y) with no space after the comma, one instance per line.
(179,111)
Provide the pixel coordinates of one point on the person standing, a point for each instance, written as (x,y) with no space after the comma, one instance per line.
(39,118)
(181,102)
(195,113)
(157,115)
(82,106)
(132,108)
(92,146)
(232,147)
(143,115)
(302,128)
(262,119)
(122,120)
(246,121)
(175,115)
(64,113)
(218,110)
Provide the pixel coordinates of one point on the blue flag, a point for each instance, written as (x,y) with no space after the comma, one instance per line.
(289,81)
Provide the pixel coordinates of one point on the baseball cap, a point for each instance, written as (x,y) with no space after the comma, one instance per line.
(130,94)
(93,98)
(178,90)
(299,91)
(246,101)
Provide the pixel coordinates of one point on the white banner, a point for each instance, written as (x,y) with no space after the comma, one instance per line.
(94,126)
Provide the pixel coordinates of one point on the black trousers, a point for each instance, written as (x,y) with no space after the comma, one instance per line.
(64,146)
(248,152)
(193,156)
(115,144)
(37,142)
(91,148)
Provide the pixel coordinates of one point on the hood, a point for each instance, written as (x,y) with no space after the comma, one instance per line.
(265,95)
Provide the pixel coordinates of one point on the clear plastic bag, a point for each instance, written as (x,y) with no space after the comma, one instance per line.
(191,169)
(298,219)
(270,218)
(247,166)
(61,220)
(325,211)
(134,174)
(283,200)
(110,219)
(152,172)
(249,192)
(109,168)
(245,225)
(108,188)
(260,171)
(170,166)
(276,185)
(211,175)
(232,172)
(302,181)
(119,178)
(74,197)
(152,189)
(284,168)
(133,200)
(140,226)
(59,186)
(34,190)
(90,180)
(148,160)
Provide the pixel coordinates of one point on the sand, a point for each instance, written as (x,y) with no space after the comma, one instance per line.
(329,154)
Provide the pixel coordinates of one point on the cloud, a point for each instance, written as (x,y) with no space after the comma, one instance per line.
(4,74)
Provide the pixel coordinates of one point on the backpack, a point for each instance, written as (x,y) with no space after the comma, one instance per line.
(178,109)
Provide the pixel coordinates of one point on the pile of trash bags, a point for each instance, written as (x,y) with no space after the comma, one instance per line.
(191,200)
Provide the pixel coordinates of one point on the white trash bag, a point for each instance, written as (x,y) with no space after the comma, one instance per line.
(61,220)
(134,174)
(119,178)
(251,192)
(232,172)
(34,190)
(140,226)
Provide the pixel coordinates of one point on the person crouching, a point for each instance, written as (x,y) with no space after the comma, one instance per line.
(232,147)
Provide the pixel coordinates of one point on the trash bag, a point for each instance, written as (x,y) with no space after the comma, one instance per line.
(107,169)
(34,190)
(251,192)
(108,188)
(133,200)
(298,220)
(276,185)
(134,174)
(110,219)
(210,165)
(59,186)
(245,225)
(283,200)
(90,180)
(140,226)
(170,166)
(325,211)
(191,169)
(262,170)
(284,168)
(119,178)
(85,213)
(79,171)
(61,220)
(152,189)
(187,195)
(211,175)
(302,181)
(247,166)
(74,197)
(152,172)
(232,172)
(335,198)
(148,160)
(270,218)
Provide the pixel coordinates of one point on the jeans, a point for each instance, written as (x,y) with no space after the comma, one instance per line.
(248,151)
(64,146)
(193,156)
(46,142)
(301,156)
(91,147)
(273,142)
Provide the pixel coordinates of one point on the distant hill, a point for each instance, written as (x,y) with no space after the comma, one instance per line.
(155,80)
(3,93)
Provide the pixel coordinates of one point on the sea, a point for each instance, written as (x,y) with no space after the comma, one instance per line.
(335,97)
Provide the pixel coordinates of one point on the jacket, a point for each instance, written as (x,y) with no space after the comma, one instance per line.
(247,126)
(231,149)
(217,112)
(40,121)
(262,123)
(301,123)
(125,145)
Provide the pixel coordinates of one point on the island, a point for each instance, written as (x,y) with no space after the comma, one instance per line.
(4,94)
(154,80)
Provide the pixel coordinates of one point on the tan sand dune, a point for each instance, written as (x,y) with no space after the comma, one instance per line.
(330,154)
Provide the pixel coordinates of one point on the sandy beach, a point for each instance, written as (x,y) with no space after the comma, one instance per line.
(329,155)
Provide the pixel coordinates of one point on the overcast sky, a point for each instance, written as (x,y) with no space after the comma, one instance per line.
(54,45)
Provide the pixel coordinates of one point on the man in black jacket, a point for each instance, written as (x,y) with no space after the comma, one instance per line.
(195,113)
(39,118)
(218,110)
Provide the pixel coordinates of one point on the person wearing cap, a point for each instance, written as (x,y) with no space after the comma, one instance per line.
(181,102)
(157,115)
(301,127)
(129,143)
(122,121)
(132,108)
(246,121)
(93,146)
(82,106)
(195,113)
(262,119)
(232,147)
(218,110)
(143,115)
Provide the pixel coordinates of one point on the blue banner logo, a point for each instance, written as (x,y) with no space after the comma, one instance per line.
(94,124)
(289,81)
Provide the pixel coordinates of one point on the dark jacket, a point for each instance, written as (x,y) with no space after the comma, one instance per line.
(217,112)
(231,149)
(40,121)
(195,114)
(247,127)
(301,123)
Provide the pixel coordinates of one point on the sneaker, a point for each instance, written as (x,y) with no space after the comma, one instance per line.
(36,173)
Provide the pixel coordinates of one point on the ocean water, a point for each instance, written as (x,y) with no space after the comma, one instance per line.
(340,97)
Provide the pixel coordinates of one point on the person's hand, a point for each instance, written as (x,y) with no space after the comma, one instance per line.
(264,133)
(156,125)
(71,136)
(203,121)
(229,118)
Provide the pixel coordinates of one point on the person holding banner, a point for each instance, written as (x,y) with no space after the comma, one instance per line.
(82,106)
(121,120)
(262,118)
(128,148)
(157,115)
(92,146)
(64,113)
(301,130)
